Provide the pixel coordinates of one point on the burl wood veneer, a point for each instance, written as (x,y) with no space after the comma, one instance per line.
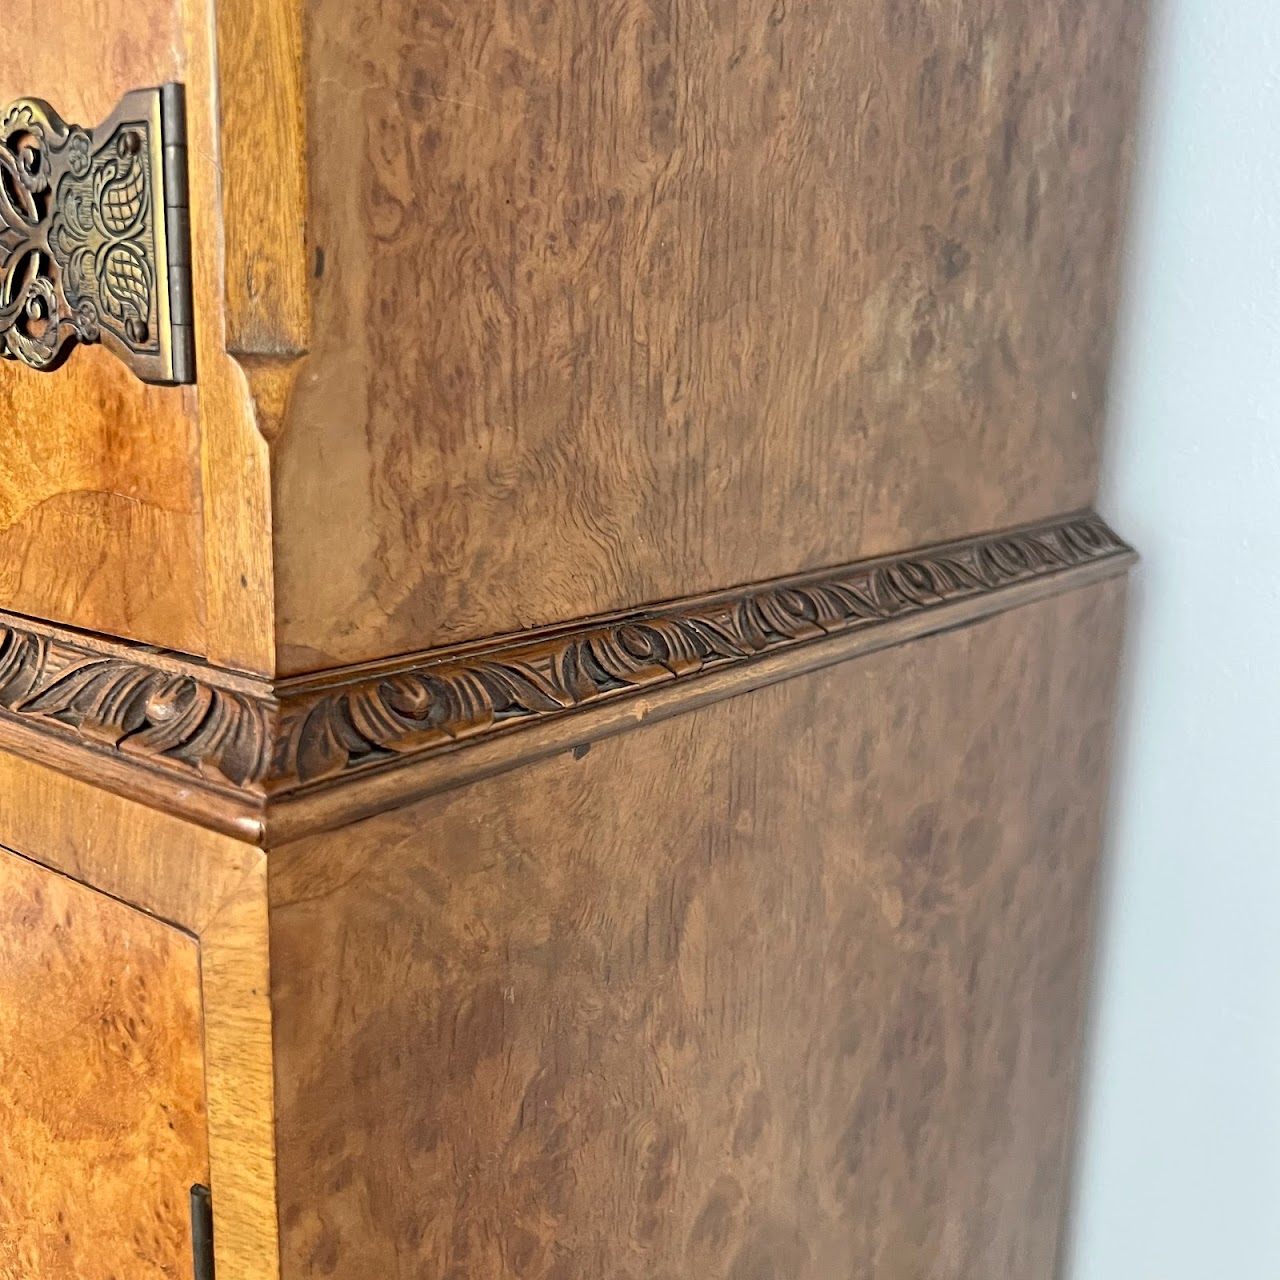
(698,295)
(102,1104)
(573,746)
(790,986)
(99,474)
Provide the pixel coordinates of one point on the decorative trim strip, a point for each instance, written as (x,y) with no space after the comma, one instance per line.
(167,713)
(251,745)
(329,733)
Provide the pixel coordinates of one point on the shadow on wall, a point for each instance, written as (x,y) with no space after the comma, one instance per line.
(1180,1164)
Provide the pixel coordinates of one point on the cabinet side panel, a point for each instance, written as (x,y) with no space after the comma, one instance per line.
(788,986)
(620,302)
(102,1111)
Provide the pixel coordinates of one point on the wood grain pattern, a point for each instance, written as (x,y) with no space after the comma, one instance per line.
(787,987)
(620,302)
(681,947)
(603,306)
(100,512)
(141,512)
(340,725)
(236,989)
(165,866)
(102,1115)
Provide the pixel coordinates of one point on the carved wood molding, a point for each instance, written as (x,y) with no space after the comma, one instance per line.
(225,748)
(165,713)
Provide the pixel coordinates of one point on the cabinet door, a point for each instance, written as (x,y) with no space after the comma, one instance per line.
(102,1126)
(100,472)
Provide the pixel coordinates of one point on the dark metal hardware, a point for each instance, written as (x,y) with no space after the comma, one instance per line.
(202,1232)
(95,243)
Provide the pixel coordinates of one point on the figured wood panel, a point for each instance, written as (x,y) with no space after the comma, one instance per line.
(100,507)
(789,987)
(214,886)
(102,1114)
(620,302)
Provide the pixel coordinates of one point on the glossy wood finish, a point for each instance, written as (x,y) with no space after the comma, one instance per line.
(101,1084)
(100,511)
(144,512)
(264,212)
(621,302)
(236,410)
(790,986)
(236,973)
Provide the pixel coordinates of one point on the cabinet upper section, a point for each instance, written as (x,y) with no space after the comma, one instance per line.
(507,315)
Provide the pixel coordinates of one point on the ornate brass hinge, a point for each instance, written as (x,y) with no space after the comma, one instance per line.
(95,244)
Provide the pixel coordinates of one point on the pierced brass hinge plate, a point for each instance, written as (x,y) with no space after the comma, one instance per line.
(95,244)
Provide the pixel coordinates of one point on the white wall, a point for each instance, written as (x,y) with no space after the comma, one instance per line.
(1180,1174)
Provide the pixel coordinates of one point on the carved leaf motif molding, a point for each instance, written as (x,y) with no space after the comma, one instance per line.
(170,719)
(94,244)
(329,734)
(250,740)
(247,739)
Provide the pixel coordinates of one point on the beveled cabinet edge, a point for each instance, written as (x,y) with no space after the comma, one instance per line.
(267,762)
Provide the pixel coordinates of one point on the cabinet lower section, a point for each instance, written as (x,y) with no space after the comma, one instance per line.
(788,985)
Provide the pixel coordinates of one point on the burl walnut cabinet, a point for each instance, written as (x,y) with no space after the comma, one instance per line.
(556,662)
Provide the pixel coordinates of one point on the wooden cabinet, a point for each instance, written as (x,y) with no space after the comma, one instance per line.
(575,725)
